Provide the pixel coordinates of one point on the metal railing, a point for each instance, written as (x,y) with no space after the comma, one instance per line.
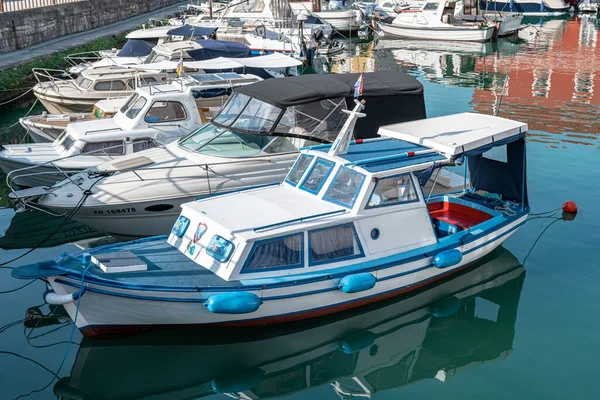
(17,5)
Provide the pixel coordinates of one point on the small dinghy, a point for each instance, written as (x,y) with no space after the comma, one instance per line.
(435,21)
(350,225)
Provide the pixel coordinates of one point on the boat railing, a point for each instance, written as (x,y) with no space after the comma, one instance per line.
(83,57)
(53,76)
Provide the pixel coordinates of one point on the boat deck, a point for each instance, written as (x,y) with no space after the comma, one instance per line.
(167,267)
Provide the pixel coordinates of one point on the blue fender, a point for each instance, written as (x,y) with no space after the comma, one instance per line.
(233,303)
(447,258)
(446,307)
(357,282)
(238,382)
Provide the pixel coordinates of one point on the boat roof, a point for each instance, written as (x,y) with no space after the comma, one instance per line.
(151,33)
(457,134)
(310,88)
(377,156)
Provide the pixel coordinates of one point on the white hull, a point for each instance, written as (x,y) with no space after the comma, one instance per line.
(509,23)
(344,22)
(446,34)
(109,307)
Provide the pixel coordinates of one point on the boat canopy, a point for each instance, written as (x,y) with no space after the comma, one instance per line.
(192,31)
(390,97)
(274,60)
(494,148)
(137,48)
(219,48)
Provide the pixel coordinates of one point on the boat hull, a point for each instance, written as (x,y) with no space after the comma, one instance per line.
(446,34)
(529,7)
(510,23)
(108,309)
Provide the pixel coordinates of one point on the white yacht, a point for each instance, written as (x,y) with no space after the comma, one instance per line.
(438,20)
(254,140)
(154,115)
(345,22)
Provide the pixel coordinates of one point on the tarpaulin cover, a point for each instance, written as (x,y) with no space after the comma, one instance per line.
(505,178)
(192,31)
(137,48)
(219,48)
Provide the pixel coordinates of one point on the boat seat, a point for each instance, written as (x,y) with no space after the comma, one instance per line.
(459,215)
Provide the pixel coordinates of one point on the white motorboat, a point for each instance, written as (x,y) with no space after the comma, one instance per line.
(253,140)
(434,21)
(348,226)
(47,127)
(525,7)
(153,116)
(344,21)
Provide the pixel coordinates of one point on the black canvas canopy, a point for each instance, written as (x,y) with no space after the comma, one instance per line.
(391,96)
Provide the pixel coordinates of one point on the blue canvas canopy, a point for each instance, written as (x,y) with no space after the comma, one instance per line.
(137,48)
(192,31)
(218,48)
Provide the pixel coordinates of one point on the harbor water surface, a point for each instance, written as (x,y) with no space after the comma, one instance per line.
(523,324)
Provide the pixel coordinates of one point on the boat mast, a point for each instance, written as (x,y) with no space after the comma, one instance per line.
(342,141)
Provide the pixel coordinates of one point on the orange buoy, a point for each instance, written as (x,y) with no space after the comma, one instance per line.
(570,207)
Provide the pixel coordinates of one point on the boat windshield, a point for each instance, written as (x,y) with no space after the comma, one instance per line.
(318,120)
(154,57)
(222,142)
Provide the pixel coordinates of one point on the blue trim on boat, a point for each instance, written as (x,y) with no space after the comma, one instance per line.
(291,221)
(526,7)
(263,287)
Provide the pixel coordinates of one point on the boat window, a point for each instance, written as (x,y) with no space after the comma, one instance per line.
(431,6)
(258,117)
(154,57)
(109,147)
(393,190)
(319,119)
(333,244)
(232,109)
(68,142)
(82,82)
(298,169)
(216,141)
(136,108)
(165,111)
(345,187)
(278,253)
(281,145)
(143,144)
(109,85)
(129,102)
(317,176)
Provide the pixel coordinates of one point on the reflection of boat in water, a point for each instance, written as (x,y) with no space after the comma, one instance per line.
(436,333)
(31,227)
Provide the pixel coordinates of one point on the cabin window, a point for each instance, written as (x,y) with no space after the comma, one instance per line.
(143,144)
(430,6)
(278,253)
(109,85)
(393,190)
(333,244)
(67,142)
(136,108)
(83,83)
(345,187)
(317,176)
(298,169)
(129,102)
(165,111)
(110,147)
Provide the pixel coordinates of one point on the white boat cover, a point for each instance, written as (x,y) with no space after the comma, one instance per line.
(455,134)
(275,60)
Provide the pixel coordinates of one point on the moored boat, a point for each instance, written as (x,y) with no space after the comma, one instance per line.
(434,21)
(350,225)
(525,7)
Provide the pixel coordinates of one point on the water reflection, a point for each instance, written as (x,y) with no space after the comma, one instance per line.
(433,334)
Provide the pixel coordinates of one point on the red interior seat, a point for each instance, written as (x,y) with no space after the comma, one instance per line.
(457,214)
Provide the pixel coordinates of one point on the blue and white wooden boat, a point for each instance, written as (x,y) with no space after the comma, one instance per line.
(526,7)
(350,225)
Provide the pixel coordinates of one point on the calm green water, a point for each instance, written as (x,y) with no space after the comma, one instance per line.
(508,329)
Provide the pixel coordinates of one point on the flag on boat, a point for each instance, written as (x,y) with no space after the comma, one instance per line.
(179,68)
(358,86)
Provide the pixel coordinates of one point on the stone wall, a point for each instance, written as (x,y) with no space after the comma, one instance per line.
(19,29)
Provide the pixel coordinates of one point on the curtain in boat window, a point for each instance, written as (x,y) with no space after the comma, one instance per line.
(100,148)
(143,144)
(332,244)
(285,252)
